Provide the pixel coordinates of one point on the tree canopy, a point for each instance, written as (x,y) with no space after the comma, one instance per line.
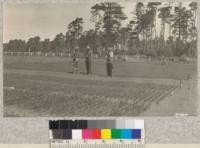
(139,36)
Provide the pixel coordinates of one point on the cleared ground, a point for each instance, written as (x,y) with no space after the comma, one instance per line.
(45,86)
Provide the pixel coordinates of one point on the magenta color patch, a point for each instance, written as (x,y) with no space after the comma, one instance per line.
(87,134)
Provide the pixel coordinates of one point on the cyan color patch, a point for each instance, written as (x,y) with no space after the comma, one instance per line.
(126,134)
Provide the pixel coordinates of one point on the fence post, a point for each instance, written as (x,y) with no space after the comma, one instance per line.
(180,83)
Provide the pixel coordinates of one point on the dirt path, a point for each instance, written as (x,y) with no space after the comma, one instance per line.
(182,102)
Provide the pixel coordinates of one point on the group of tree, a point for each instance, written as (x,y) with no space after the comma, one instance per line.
(139,36)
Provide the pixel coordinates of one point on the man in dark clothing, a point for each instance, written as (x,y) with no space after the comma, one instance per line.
(88,60)
(109,65)
(75,57)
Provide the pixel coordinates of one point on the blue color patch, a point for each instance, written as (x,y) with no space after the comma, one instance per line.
(126,134)
(136,133)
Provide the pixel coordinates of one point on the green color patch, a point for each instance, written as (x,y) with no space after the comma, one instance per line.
(116,133)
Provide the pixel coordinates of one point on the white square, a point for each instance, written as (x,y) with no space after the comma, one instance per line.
(139,124)
(76,134)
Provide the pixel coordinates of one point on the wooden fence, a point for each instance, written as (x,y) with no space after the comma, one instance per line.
(51,54)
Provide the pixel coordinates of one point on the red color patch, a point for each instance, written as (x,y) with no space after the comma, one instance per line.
(96,134)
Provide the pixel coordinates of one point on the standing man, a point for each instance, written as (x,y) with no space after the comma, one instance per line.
(88,60)
(75,57)
(109,65)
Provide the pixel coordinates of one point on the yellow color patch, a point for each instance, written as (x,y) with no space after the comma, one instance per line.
(105,133)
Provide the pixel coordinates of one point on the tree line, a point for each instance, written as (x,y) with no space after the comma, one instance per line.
(139,36)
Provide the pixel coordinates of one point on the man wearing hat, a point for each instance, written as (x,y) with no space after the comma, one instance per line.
(88,60)
(109,64)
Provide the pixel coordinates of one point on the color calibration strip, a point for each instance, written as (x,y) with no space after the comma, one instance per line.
(96,129)
(97,134)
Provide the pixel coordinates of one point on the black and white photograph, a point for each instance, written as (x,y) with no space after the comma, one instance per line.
(100,58)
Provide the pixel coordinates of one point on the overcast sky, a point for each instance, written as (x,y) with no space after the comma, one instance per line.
(22,21)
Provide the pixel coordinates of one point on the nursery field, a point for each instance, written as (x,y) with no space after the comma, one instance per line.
(45,86)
